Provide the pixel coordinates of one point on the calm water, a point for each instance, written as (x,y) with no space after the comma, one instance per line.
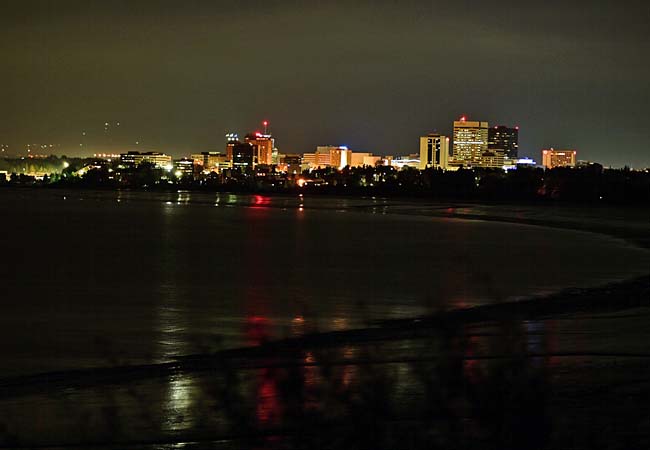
(92,279)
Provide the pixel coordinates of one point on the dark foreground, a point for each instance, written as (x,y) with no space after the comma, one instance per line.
(568,371)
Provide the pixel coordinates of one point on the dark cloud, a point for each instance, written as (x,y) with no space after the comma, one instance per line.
(372,75)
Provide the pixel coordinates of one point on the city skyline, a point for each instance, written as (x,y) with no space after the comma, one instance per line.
(499,136)
(179,76)
(110,142)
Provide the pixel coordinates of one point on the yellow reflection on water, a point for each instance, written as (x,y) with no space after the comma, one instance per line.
(183,197)
(181,390)
(180,398)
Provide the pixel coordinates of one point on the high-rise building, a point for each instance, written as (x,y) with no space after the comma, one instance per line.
(243,155)
(470,141)
(434,151)
(558,158)
(264,145)
(231,140)
(505,139)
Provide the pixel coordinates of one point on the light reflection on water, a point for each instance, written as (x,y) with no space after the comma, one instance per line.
(180,389)
(312,264)
(455,376)
(171,273)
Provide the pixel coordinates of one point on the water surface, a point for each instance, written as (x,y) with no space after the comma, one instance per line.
(92,279)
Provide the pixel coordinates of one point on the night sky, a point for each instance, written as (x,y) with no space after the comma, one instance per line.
(375,76)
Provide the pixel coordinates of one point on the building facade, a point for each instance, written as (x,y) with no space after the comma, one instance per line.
(211,161)
(243,155)
(327,156)
(264,145)
(492,159)
(470,141)
(505,139)
(558,158)
(340,157)
(434,151)
(291,164)
(134,159)
(184,168)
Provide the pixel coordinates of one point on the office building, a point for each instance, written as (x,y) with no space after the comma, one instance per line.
(331,156)
(505,139)
(371,160)
(492,159)
(327,156)
(184,168)
(316,160)
(134,159)
(405,161)
(211,161)
(243,155)
(558,158)
(263,145)
(231,140)
(434,151)
(291,164)
(358,159)
(470,141)
(340,157)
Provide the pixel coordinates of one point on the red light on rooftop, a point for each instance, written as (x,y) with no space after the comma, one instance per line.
(265,123)
(463,118)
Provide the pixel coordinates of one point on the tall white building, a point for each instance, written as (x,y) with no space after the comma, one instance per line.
(434,151)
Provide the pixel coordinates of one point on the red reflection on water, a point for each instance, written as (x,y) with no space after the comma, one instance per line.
(257,330)
(298,326)
(267,408)
(260,200)
(471,366)
(349,375)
